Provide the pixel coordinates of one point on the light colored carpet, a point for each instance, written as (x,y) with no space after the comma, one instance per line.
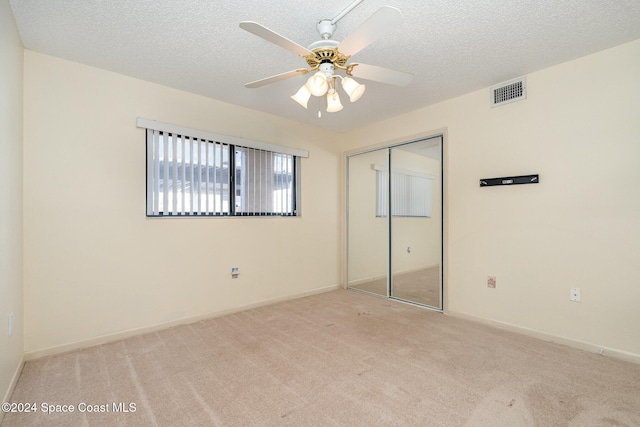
(420,286)
(340,358)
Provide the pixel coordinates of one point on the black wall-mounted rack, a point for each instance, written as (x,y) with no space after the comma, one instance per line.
(510,180)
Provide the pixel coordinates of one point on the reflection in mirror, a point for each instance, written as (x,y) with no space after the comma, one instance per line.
(409,243)
(416,223)
(368,235)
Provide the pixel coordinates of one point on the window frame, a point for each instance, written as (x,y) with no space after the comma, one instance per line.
(231,144)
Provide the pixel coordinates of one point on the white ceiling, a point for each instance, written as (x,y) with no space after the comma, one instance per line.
(452,47)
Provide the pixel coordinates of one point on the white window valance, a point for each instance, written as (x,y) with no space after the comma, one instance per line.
(225,139)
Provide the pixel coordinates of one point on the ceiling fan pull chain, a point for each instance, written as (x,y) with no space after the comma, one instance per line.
(345,11)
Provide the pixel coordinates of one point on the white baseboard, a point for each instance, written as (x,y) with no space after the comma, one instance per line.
(593,348)
(36,354)
(12,385)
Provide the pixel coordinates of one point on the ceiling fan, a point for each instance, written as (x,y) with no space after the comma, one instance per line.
(326,57)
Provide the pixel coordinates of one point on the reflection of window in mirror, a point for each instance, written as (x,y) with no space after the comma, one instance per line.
(412,193)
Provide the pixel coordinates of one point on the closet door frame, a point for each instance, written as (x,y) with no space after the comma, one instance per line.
(389,235)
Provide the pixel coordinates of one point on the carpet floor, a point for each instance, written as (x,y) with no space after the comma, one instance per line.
(340,358)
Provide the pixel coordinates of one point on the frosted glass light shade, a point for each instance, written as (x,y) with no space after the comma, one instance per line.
(317,84)
(333,102)
(302,96)
(353,88)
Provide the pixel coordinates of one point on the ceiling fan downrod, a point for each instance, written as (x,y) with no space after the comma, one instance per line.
(326,29)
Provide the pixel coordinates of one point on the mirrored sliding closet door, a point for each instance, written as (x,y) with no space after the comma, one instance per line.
(398,256)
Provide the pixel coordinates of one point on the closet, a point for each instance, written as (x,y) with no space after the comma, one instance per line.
(397,256)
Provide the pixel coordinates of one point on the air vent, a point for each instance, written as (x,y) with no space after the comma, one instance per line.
(512,91)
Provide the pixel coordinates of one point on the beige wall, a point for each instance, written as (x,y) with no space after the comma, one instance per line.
(579,129)
(11,66)
(95,265)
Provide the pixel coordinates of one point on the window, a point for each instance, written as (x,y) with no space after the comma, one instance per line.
(265,182)
(412,193)
(215,175)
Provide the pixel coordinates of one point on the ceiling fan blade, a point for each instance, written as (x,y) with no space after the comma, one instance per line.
(276,78)
(275,38)
(382,75)
(383,21)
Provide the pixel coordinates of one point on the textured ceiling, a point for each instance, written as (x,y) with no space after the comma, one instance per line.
(451,46)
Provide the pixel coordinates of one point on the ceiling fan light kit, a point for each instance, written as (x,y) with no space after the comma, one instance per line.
(323,82)
(318,84)
(324,57)
(302,96)
(353,88)
(333,102)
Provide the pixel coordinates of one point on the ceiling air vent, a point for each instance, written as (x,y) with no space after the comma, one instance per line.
(511,91)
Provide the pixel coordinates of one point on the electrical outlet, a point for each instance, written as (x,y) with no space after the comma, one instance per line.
(575,295)
(10,324)
(491,281)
